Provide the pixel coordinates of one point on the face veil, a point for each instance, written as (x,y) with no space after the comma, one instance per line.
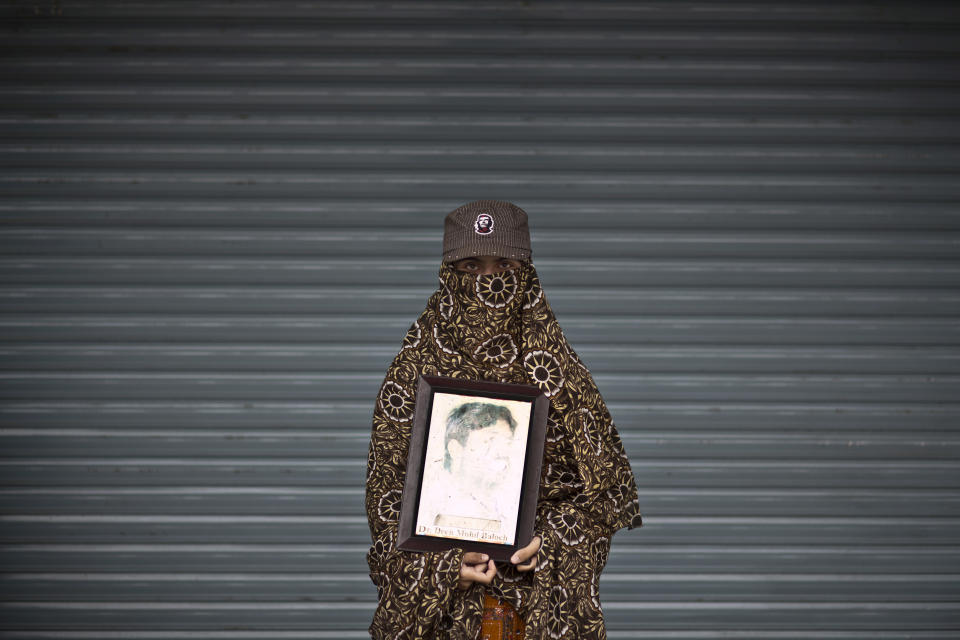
(500,327)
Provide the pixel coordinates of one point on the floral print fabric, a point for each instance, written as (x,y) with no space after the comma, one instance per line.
(500,327)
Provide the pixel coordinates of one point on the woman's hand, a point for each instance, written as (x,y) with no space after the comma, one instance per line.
(529,551)
(476,567)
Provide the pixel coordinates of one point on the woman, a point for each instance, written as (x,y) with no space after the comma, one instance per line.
(490,320)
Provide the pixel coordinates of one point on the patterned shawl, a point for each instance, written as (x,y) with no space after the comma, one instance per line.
(500,327)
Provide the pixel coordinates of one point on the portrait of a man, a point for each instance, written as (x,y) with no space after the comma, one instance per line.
(473,468)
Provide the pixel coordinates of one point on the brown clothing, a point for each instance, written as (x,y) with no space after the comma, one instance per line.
(500,327)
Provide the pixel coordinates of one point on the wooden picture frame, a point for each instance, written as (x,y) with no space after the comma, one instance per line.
(473,468)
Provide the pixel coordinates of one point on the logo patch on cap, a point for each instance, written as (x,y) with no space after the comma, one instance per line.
(483,224)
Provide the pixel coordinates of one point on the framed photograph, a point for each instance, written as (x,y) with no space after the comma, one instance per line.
(473,470)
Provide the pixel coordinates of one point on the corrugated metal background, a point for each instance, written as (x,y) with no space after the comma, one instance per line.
(219,219)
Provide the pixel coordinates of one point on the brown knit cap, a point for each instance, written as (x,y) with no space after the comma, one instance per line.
(486,228)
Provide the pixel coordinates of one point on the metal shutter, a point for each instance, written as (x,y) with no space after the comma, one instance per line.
(219,220)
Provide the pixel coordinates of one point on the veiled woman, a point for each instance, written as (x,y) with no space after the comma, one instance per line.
(489,319)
